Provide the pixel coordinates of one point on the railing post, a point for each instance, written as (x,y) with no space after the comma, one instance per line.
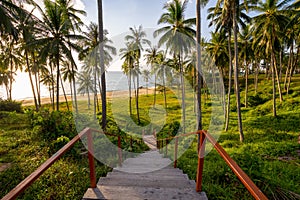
(166,147)
(119,150)
(201,152)
(175,152)
(91,158)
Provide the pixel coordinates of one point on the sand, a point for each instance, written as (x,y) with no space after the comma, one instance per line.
(121,93)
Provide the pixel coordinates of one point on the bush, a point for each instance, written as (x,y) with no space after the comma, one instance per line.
(10,106)
(51,125)
(256,100)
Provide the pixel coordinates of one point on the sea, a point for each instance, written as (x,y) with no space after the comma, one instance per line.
(115,81)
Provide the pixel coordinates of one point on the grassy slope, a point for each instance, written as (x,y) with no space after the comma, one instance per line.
(268,155)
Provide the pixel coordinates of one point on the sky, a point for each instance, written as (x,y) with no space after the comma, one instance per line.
(118,16)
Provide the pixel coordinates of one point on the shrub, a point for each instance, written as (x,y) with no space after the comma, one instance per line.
(7,105)
(51,125)
(256,100)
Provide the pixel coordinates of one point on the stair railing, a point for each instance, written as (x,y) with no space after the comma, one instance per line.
(162,145)
(14,193)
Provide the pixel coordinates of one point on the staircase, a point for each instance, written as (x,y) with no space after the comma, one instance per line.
(147,176)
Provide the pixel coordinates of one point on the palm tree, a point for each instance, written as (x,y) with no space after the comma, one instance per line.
(8,16)
(269,25)
(223,17)
(56,40)
(137,39)
(85,85)
(102,67)
(146,75)
(151,59)
(48,80)
(90,51)
(13,61)
(75,23)
(178,35)
(246,54)
(129,57)
(162,72)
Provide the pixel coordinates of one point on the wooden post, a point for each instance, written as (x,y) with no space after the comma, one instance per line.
(175,152)
(119,150)
(200,162)
(91,159)
(131,142)
(166,147)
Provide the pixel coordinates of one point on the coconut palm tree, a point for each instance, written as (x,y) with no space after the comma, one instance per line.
(127,54)
(178,36)
(9,17)
(246,54)
(90,51)
(147,76)
(137,38)
(268,28)
(223,17)
(162,72)
(151,59)
(56,39)
(86,85)
(75,23)
(102,67)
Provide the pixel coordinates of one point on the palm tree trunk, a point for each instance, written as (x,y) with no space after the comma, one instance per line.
(11,79)
(154,101)
(277,77)
(165,95)
(57,80)
(198,65)
(63,88)
(103,81)
(256,75)
(293,69)
(246,85)
(290,61)
(89,99)
(74,89)
(129,82)
(229,82)
(95,88)
(137,98)
(182,94)
(52,83)
(37,77)
(236,71)
(273,87)
(31,82)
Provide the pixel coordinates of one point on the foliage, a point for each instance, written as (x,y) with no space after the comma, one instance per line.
(51,125)
(8,105)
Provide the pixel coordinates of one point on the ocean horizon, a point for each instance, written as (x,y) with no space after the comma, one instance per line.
(115,81)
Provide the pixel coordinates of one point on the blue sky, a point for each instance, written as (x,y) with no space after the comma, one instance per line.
(119,15)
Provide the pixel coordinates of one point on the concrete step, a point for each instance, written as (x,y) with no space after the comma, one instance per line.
(148,176)
(173,182)
(142,193)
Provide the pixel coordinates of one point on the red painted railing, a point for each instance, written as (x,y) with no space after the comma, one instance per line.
(204,135)
(14,193)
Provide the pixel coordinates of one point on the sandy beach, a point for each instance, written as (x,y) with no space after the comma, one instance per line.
(121,93)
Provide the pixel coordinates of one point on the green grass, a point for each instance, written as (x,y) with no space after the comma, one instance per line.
(269,154)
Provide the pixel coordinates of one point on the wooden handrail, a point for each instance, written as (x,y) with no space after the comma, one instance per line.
(14,193)
(244,178)
(204,135)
